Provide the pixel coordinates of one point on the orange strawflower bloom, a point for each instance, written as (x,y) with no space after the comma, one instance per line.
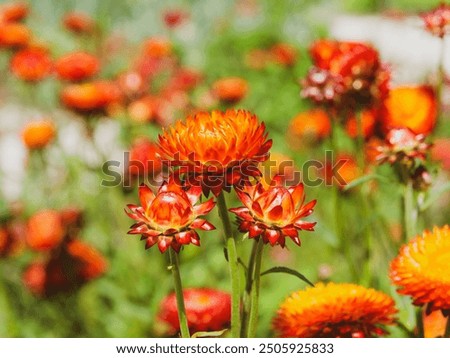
(437,21)
(345,170)
(422,270)
(170,217)
(310,126)
(158,47)
(274,212)
(143,109)
(413,107)
(143,159)
(13,11)
(91,96)
(79,23)
(14,35)
(77,66)
(283,54)
(31,64)
(38,134)
(216,150)
(335,310)
(368,119)
(207,309)
(230,89)
(45,230)
(323,51)
(88,262)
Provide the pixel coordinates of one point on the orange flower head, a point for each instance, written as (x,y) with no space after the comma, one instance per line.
(14,35)
(335,310)
(207,309)
(216,150)
(158,47)
(88,262)
(170,217)
(79,23)
(38,134)
(343,172)
(31,64)
(323,51)
(45,230)
(230,89)
(274,212)
(283,54)
(437,21)
(368,121)
(13,11)
(143,110)
(310,126)
(91,96)
(421,270)
(77,66)
(143,159)
(413,107)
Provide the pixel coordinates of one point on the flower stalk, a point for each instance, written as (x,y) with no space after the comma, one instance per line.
(175,268)
(253,320)
(233,267)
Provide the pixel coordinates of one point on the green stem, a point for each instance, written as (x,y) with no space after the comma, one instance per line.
(174,266)
(409,211)
(419,323)
(360,142)
(253,321)
(233,266)
(248,288)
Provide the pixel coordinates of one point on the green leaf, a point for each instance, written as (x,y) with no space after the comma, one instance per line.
(362,180)
(209,334)
(289,271)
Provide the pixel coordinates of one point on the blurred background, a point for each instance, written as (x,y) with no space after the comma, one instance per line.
(158,62)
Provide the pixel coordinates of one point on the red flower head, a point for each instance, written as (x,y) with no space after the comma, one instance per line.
(92,96)
(283,54)
(13,11)
(175,17)
(437,21)
(169,217)
(31,64)
(12,238)
(403,146)
(45,230)
(274,212)
(216,150)
(368,121)
(79,23)
(77,66)
(143,159)
(230,89)
(207,309)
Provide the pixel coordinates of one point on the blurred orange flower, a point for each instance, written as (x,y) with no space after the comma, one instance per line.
(38,134)
(207,309)
(12,238)
(368,120)
(13,11)
(143,158)
(437,20)
(335,310)
(170,217)
(32,64)
(79,23)
(440,151)
(422,270)
(283,54)
(310,126)
(77,66)
(216,150)
(345,171)
(158,47)
(230,89)
(14,35)
(45,230)
(323,51)
(274,212)
(88,262)
(143,109)
(91,96)
(413,107)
